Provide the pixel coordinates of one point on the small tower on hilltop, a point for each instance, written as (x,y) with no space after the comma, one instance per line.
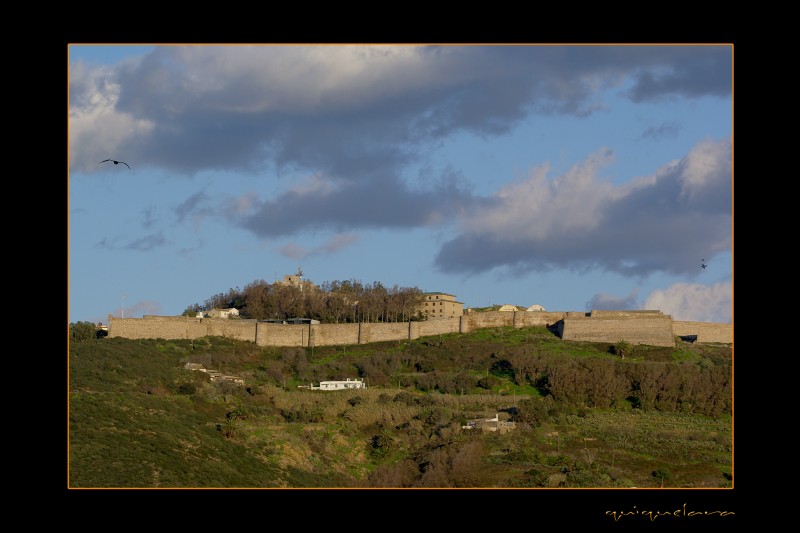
(295,280)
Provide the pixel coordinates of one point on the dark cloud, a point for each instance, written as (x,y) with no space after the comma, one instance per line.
(354,113)
(338,206)
(703,71)
(658,224)
(193,205)
(661,131)
(147,243)
(142,244)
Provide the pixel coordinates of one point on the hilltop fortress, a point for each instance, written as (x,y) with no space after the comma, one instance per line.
(635,327)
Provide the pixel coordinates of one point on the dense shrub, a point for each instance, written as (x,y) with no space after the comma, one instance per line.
(82,331)
(186,388)
(355,400)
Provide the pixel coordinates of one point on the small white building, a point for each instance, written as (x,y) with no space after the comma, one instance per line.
(508,307)
(218,313)
(339,385)
(536,307)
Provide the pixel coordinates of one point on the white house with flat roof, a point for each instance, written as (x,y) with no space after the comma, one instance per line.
(337,385)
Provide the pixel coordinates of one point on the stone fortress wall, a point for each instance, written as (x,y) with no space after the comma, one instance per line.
(705,331)
(636,327)
(180,327)
(653,330)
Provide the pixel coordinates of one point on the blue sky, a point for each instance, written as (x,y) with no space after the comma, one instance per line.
(574,177)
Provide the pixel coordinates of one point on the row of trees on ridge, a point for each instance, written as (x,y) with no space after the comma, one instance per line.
(332,302)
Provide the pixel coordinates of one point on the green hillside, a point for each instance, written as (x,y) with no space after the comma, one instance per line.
(578,414)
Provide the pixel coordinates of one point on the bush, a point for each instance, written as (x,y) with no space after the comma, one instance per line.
(423,366)
(82,331)
(186,388)
(487,382)
(355,400)
(406,398)
(662,474)
(622,348)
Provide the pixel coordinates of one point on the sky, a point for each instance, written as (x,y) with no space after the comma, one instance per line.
(576,177)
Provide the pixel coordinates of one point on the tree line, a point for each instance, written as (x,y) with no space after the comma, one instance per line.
(332,302)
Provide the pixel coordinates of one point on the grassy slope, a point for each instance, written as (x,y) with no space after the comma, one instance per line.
(138,419)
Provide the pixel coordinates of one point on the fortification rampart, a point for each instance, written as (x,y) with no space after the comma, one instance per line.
(526,319)
(335,334)
(387,331)
(704,331)
(268,334)
(653,330)
(439,326)
(517,319)
(648,327)
(181,327)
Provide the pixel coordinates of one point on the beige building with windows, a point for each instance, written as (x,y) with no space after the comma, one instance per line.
(441,305)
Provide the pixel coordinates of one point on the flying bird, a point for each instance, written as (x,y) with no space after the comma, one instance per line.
(115,162)
(703,263)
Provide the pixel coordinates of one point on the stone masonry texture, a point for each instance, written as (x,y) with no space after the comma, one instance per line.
(636,327)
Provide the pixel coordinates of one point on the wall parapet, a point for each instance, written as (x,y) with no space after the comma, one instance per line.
(648,327)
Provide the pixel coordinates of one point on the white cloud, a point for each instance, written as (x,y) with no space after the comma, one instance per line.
(97,130)
(694,302)
(298,79)
(579,220)
(707,166)
(537,207)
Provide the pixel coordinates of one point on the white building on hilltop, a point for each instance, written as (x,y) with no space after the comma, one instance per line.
(218,313)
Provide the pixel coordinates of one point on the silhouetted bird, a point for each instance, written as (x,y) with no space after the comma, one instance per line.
(115,162)
(703,263)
